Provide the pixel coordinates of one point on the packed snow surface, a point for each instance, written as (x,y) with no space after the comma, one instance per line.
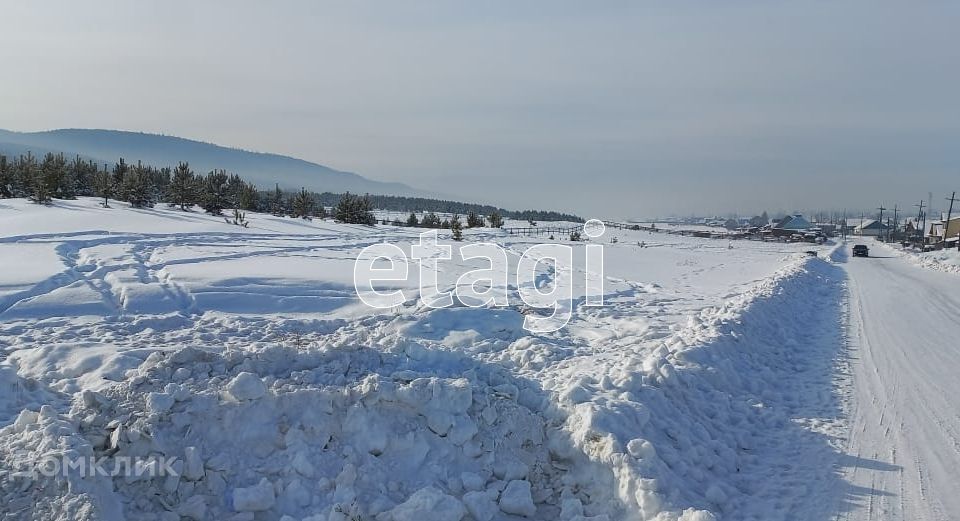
(903,454)
(705,388)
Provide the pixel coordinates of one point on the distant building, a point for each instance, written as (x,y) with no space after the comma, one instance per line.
(827,229)
(871,228)
(935,231)
(791,225)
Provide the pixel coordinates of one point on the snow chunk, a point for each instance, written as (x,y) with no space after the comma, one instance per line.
(481,505)
(246,386)
(516,499)
(25,419)
(159,403)
(641,449)
(510,469)
(257,498)
(696,515)
(194,508)
(429,503)
(193,466)
(472,481)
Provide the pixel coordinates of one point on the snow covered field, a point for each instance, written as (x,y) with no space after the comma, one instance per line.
(704,389)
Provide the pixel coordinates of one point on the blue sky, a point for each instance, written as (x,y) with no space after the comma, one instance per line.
(615,108)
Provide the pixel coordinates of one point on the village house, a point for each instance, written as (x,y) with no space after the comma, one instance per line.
(791,225)
(935,231)
(871,228)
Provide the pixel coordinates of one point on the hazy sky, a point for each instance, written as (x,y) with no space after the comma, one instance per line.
(604,108)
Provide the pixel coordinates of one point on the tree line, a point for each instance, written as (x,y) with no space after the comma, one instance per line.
(142,186)
(398,203)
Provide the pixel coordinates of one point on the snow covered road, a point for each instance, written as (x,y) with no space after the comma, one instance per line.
(903,454)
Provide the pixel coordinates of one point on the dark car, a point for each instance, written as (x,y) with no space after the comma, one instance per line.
(861,250)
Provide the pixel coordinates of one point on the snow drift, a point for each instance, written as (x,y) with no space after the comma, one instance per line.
(702,390)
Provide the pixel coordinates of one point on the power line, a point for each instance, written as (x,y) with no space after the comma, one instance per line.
(895,224)
(946,224)
(880,223)
(920,227)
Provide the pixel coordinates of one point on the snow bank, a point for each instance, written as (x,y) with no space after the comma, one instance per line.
(940,260)
(708,423)
(320,434)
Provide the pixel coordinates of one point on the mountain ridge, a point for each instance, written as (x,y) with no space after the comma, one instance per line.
(262,168)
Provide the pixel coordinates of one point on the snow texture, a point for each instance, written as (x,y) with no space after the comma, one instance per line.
(704,389)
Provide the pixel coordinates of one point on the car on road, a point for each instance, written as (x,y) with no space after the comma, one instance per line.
(861,250)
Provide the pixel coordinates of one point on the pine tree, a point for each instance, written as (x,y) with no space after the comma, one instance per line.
(276,202)
(456,228)
(5,189)
(103,185)
(183,187)
(160,180)
(247,199)
(430,221)
(303,204)
(354,209)
(79,173)
(496,220)
(57,177)
(136,187)
(39,188)
(119,172)
(21,176)
(364,210)
(474,220)
(235,187)
(239,219)
(91,170)
(214,198)
(412,220)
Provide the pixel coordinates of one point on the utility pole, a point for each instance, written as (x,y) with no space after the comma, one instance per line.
(919,226)
(880,223)
(894,231)
(946,225)
(923,232)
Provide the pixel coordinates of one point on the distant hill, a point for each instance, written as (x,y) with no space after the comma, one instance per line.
(106,146)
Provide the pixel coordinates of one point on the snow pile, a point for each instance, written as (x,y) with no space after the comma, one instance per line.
(947,260)
(18,393)
(31,442)
(709,420)
(320,435)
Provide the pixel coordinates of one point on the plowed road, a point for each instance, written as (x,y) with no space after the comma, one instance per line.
(903,453)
